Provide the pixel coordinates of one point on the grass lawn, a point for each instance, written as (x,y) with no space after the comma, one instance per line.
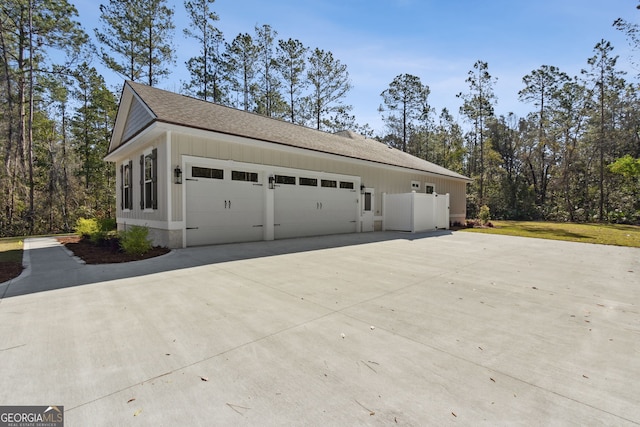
(11,249)
(605,234)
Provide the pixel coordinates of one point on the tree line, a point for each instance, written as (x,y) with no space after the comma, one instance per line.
(573,158)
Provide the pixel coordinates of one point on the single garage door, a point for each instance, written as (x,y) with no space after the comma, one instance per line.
(312,205)
(223,205)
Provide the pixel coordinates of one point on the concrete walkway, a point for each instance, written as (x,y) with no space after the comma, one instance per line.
(363,329)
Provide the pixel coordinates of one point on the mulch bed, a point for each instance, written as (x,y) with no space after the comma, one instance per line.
(94,254)
(9,270)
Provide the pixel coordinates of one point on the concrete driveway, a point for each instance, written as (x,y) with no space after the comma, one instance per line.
(363,329)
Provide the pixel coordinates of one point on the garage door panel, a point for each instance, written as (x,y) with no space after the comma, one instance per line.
(311,211)
(223,211)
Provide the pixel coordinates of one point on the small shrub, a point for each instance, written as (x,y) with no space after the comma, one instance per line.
(106,232)
(107,224)
(134,241)
(485,214)
(87,227)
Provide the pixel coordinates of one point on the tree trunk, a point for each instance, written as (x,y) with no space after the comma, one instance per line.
(8,149)
(65,176)
(31,216)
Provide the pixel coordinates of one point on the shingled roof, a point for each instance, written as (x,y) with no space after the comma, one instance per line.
(181,110)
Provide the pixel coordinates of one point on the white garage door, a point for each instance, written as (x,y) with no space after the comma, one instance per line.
(312,205)
(223,205)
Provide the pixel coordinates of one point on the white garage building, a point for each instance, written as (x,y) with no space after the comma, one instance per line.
(198,173)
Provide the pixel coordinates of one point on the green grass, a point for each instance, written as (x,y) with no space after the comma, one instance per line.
(604,234)
(11,249)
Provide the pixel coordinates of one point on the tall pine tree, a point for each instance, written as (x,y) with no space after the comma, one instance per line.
(137,37)
(329,81)
(207,69)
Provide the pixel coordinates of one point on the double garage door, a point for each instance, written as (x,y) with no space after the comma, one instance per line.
(232,202)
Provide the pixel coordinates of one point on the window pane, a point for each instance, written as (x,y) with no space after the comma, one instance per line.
(244,176)
(329,183)
(311,182)
(429,189)
(148,168)
(197,172)
(283,179)
(148,191)
(367,202)
(347,185)
(126,198)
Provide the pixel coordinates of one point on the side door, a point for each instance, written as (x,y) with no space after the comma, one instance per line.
(367,202)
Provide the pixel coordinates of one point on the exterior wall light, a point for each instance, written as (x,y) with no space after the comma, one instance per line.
(272,180)
(362,187)
(177,175)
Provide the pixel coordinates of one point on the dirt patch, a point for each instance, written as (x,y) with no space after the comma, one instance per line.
(9,270)
(109,253)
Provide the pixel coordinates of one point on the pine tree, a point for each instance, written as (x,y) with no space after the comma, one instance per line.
(478,107)
(139,33)
(206,69)
(541,88)
(241,57)
(268,98)
(608,84)
(406,100)
(291,62)
(329,81)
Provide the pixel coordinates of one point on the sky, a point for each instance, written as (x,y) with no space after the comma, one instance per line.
(436,40)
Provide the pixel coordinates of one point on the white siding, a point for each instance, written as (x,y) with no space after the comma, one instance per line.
(383,178)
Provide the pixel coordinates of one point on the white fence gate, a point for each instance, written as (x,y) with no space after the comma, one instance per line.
(415,212)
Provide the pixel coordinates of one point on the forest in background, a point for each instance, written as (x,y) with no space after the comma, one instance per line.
(574,157)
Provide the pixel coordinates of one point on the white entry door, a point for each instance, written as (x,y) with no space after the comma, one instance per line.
(367,203)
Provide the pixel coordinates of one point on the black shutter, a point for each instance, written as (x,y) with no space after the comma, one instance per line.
(122,187)
(154,178)
(142,182)
(130,200)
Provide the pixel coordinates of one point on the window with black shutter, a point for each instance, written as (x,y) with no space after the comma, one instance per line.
(149,180)
(126,201)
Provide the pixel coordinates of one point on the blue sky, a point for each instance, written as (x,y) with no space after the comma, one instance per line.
(437,40)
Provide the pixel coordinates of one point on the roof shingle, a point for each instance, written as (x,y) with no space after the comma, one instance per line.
(169,107)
